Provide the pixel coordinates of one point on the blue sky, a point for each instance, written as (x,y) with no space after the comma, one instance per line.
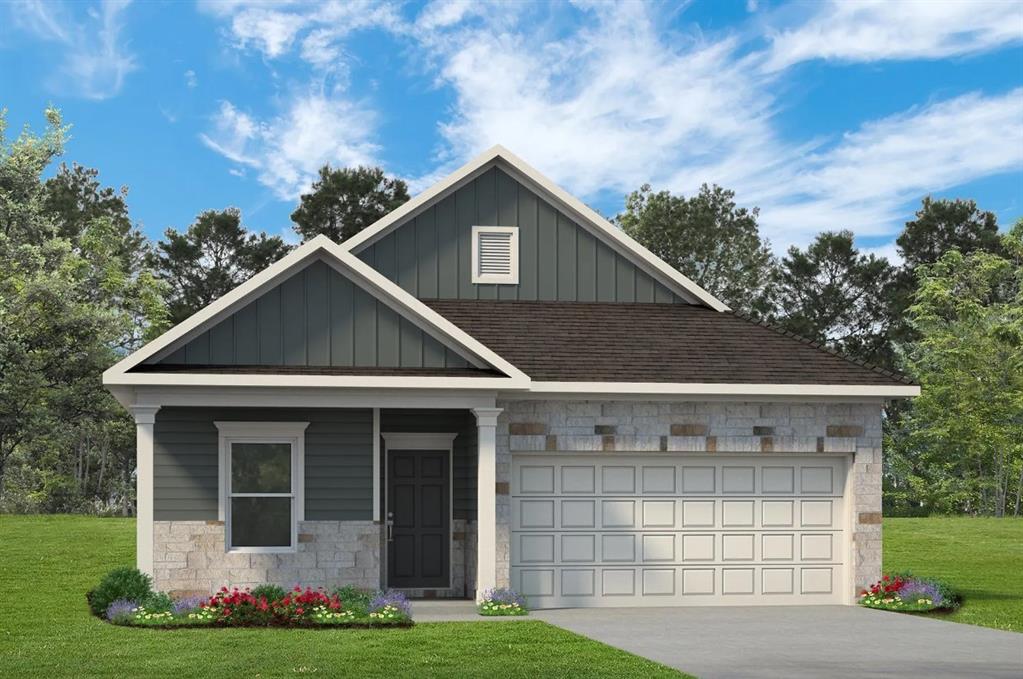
(825,115)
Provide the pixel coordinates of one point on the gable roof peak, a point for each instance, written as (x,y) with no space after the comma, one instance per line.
(564,201)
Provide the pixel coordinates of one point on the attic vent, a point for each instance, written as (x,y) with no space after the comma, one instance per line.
(495,254)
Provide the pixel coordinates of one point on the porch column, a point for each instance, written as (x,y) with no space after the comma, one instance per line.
(486,499)
(145,417)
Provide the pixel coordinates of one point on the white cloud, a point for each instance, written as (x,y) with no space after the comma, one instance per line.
(864,181)
(612,100)
(95,59)
(191,79)
(875,30)
(286,151)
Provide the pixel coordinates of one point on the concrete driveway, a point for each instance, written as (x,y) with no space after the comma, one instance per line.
(799,641)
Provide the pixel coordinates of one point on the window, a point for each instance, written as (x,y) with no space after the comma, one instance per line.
(261,482)
(495,254)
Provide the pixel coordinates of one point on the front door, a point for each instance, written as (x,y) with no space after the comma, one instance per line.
(419,512)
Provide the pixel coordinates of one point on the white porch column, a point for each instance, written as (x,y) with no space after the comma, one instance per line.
(145,418)
(486,499)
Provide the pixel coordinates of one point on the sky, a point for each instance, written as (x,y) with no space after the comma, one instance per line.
(824,115)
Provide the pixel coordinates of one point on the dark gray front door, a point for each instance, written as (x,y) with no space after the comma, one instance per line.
(418,498)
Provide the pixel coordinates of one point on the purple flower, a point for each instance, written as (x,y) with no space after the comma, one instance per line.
(503,595)
(914,589)
(390,598)
(120,609)
(188,604)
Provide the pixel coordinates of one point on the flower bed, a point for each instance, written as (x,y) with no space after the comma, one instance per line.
(906,592)
(502,602)
(264,606)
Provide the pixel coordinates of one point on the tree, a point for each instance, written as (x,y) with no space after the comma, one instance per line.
(963,437)
(345,201)
(68,309)
(942,225)
(832,294)
(708,239)
(212,257)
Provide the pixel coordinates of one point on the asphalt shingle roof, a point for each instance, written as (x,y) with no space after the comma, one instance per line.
(681,343)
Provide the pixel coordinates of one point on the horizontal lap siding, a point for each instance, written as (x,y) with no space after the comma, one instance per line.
(338,461)
(464,450)
(430,255)
(319,318)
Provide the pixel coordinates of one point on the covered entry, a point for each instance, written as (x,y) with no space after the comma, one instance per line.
(668,530)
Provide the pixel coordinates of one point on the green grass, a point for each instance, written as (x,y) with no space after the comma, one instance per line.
(48,562)
(980,558)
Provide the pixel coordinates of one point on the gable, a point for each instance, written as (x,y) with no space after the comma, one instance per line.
(429,254)
(315,318)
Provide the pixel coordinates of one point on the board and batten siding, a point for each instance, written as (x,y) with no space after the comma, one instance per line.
(338,461)
(317,317)
(430,256)
(464,448)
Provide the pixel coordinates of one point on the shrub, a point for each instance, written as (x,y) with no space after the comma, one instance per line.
(120,583)
(158,602)
(502,602)
(120,610)
(269,592)
(355,598)
(906,592)
(390,605)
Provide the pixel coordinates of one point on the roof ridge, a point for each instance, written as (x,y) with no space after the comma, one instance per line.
(823,347)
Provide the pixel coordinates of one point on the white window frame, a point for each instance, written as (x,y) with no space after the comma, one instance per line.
(502,279)
(292,433)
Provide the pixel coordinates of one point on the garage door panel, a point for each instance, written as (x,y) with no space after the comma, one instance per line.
(659,479)
(623,530)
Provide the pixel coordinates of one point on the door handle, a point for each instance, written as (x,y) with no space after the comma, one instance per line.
(390,530)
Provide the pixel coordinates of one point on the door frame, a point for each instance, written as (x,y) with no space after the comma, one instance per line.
(420,442)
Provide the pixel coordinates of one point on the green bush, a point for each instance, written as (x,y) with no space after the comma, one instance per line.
(158,602)
(121,583)
(355,598)
(271,592)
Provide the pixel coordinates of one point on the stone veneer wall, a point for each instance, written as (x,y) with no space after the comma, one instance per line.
(189,556)
(702,427)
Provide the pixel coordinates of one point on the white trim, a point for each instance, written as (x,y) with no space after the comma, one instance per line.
(145,440)
(650,263)
(292,433)
(687,389)
(510,278)
(486,499)
(376,465)
(361,274)
(302,397)
(420,442)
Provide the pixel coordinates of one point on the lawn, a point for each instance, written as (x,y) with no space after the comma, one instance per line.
(48,562)
(981,558)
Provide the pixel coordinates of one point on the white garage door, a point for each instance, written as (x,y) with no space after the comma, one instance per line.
(644,530)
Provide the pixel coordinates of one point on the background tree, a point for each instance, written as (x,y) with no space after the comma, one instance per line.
(832,294)
(943,225)
(212,257)
(962,439)
(344,201)
(708,239)
(67,310)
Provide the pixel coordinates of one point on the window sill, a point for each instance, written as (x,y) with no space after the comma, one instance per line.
(261,550)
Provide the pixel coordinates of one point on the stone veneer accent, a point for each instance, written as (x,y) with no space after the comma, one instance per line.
(189,556)
(704,427)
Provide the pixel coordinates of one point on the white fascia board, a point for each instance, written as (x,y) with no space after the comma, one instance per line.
(316,381)
(732,390)
(647,261)
(306,397)
(350,265)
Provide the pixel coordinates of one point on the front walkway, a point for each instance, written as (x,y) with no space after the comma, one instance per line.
(799,642)
(452,610)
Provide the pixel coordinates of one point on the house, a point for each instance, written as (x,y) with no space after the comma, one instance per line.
(493,386)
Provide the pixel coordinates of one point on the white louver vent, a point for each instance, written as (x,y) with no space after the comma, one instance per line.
(495,254)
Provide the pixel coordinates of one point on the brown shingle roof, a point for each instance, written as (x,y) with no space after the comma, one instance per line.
(609,342)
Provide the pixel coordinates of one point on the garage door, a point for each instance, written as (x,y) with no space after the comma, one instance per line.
(635,530)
